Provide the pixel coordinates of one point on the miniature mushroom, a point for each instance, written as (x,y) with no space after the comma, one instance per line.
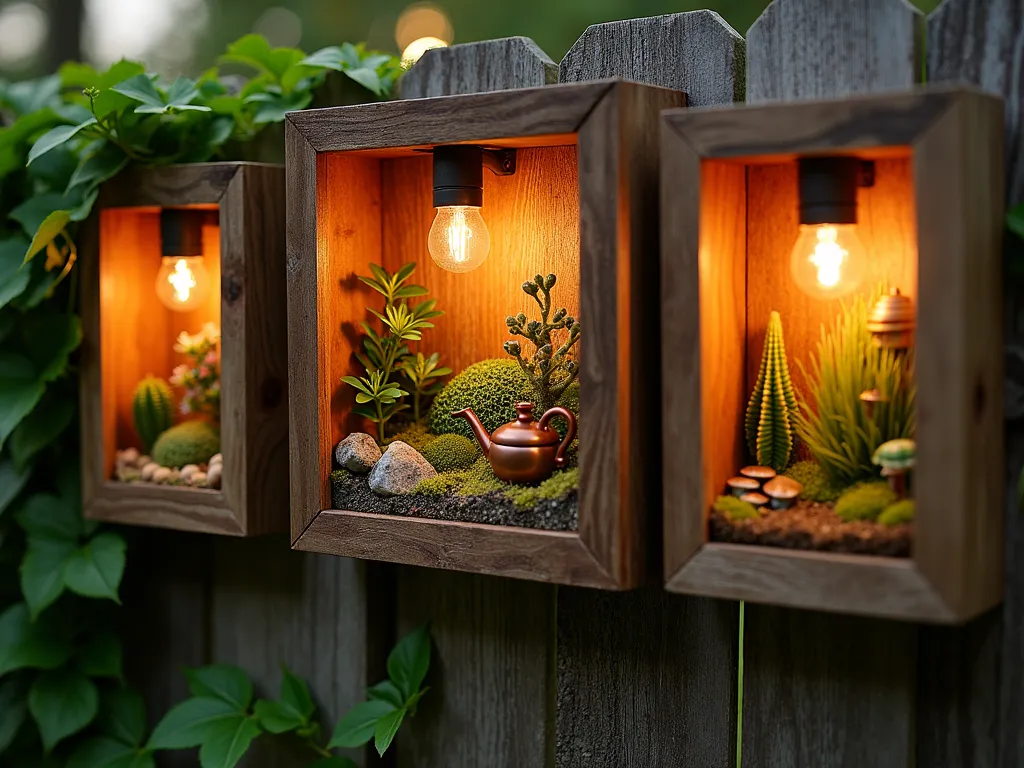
(738,486)
(896,458)
(869,398)
(761,474)
(757,499)
(783,491)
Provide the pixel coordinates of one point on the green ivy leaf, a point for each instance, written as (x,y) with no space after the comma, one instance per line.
(57,136)
(277,717)
(42,572)
(122,716)
(142,89)
(11,482)
(254,51)
(385,730)
(227,741)
(12,710)
(45,516)
(102,164)
(49,339)
(41,427)
(43,217)
(189,723)
(409,661)
(20,390)
(27,645)
(221,681)
(387,691)
(13,279)
(358,726)
(101,656)
(273,106)
(62,702)
(95,569)
(102,752)
(31,95)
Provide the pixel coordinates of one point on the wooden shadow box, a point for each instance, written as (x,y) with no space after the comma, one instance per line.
(582,203)
(129,334)
(930,221)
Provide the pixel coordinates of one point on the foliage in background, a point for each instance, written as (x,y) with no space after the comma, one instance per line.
(62,696)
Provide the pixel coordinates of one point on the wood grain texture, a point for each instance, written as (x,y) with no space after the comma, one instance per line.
(696,52)
(827,691)
(645,679)
(489,65)
(806,49)
(492,670)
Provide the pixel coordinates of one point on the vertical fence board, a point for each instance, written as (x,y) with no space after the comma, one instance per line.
(820,690)
(696,52)
(971,684)
(646,678)
(806,49)
(494,637)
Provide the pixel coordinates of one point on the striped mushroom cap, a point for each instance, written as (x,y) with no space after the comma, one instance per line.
(895,454)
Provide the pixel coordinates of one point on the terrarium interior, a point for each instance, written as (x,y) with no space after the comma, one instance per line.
(159,345)
(807,351)
(399,450)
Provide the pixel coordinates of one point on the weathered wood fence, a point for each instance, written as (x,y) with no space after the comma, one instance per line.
(529,675)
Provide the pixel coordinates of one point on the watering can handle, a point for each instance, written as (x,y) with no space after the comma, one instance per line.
(570,433)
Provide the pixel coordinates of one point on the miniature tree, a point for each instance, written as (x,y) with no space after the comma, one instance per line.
(772,409)
(551,368)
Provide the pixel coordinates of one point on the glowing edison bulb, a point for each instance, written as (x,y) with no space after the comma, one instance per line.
(182,283)
(458,239)
(828,260)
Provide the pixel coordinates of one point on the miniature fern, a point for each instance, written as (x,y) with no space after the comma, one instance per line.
(769,420)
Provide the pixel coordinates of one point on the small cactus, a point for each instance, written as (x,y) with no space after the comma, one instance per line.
(152,409)
(772,409)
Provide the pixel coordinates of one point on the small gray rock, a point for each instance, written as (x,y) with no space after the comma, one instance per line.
(399,470)
(357,453)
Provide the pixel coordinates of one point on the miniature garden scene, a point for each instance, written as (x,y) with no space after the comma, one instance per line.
(828,429)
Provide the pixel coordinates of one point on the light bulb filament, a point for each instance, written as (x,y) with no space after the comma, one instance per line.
(459,234)
(828,257)
(182,280)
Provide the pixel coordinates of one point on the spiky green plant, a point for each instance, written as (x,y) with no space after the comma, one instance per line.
(771,412)
(832,422)
(152,410)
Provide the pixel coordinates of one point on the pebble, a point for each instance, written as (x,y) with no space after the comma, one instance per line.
(161,475)
(357,453)
(128,456)
(198,479)
(216,458)
(188,470)
(213,476)
(399,470)
(148,470)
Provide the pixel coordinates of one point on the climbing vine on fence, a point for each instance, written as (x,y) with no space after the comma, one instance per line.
(63,699)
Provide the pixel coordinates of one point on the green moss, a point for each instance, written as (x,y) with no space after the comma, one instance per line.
(440,484)
(415,435)
(812,477)
(560,484)
(448,453)
(480,479)
(491,388)
(735,509)
(898,513)
(864,502)
(191,442)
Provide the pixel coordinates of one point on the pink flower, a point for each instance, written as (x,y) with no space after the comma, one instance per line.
(204,371)
(211,358)
(186,408)
(178,375)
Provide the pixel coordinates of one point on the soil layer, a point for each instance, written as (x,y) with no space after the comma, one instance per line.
(809,525)
(352,492)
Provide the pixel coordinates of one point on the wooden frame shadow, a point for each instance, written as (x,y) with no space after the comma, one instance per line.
(251,302)
(612,128)
(951,140)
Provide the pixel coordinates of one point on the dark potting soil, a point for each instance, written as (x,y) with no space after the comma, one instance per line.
(352,492)
(809,525)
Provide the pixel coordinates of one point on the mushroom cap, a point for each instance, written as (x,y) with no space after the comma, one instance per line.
(758,473)
(743,482)
(783,487)
(895,454)
(757,499)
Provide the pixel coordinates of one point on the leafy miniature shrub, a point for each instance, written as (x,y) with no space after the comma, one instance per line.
(772,409)
(451,452)
(416,435)
(555,487)
(491,388)
(735,509)
(864,502)
(812,477)
(191,442)
(899,513)
(152,410)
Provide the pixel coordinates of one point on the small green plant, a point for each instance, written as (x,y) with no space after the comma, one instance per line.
(898,514)
(423,374)
(191,442)
(491,388)
(832,421)
(812,477)
(734,508)
(450,453)
(200,378)
(152,410)
(560,484)
(772,407)
(865,501)
(552,367)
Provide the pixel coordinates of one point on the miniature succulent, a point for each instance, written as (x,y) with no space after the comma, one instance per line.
(191,442)
(898,514)
(423,374)
(896,458)
(449,453)
(201,378)
(771,412)
(734,508)
(553,365)
(152,409)
(865,501)
(491,388)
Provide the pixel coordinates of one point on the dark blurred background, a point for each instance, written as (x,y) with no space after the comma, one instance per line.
(185,36)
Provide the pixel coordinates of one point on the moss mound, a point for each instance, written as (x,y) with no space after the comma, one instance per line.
(449,453)
(735,509)
(491,388)
(416,435)
(191,442)
(865,502)
(812,477)
(899,513)
(560,484)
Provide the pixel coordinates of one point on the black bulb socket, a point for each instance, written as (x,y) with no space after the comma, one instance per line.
(828,188)
(181,232)
(459,173)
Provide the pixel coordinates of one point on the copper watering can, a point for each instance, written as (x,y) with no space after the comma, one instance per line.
(524,450)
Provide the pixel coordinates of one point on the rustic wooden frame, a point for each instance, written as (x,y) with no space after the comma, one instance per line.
(613,124)
(254,494)
(956,137)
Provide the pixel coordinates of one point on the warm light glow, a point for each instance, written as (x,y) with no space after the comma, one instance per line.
(828,260)
(417,48)
(458,240)
(422,20)
(182,283)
